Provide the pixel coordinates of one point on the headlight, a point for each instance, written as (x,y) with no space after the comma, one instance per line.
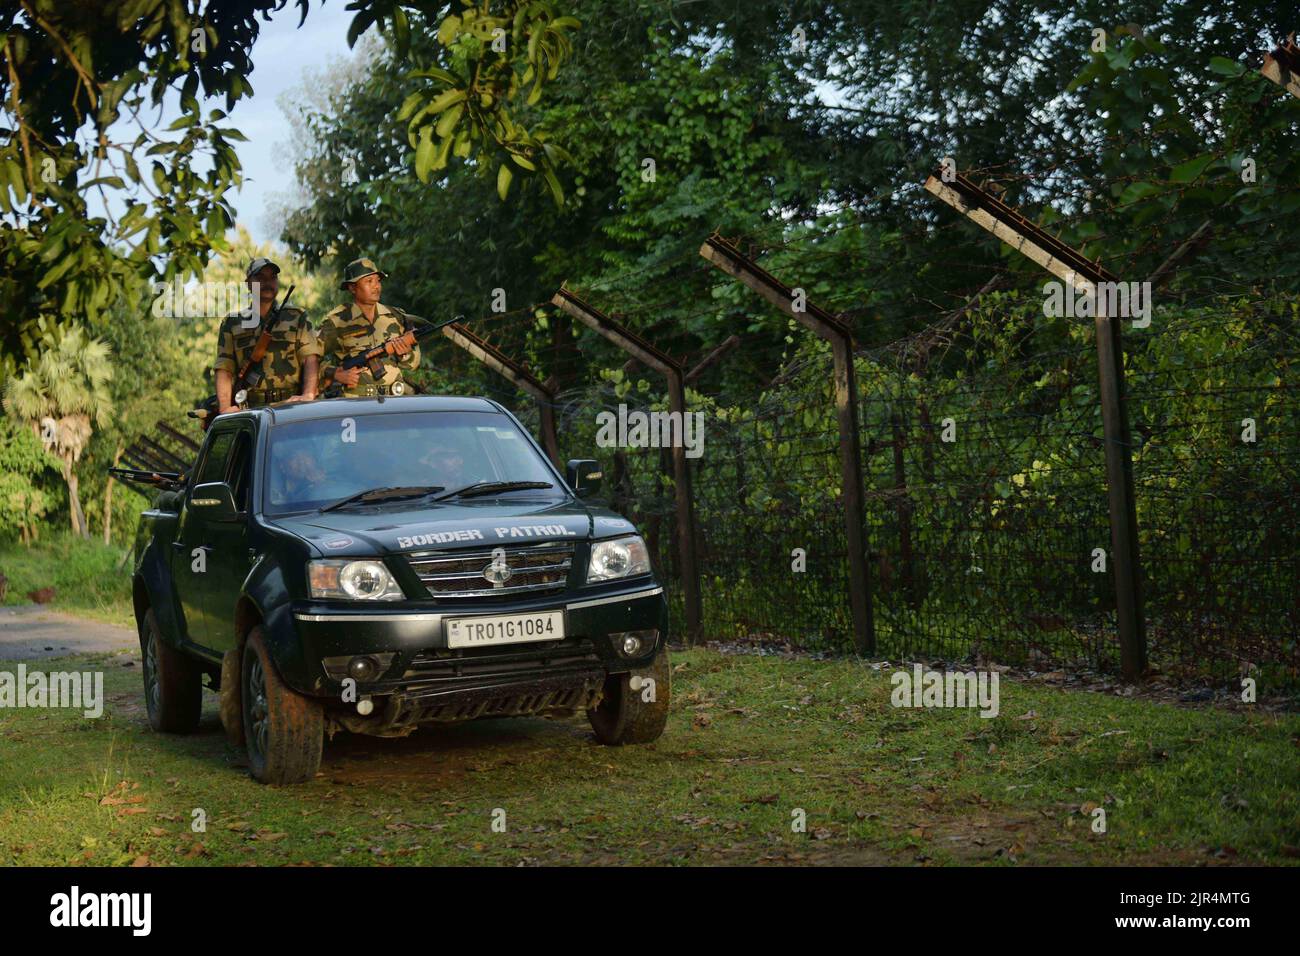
(352,580)
(618,558)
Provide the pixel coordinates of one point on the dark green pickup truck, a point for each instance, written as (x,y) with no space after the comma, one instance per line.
(375,564)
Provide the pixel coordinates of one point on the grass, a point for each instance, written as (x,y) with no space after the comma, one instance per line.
(751,742)
(84,574)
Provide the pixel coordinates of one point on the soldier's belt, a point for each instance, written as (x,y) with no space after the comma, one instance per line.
(268,396)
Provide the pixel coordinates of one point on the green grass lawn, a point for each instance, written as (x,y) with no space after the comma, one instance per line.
(750,743)
(84,574)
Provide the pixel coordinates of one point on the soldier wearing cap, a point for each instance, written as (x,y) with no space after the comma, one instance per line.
(352,329)
(289,368)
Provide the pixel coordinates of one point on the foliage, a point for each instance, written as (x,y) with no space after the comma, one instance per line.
(61,397)
(96,196)
(24,468)
(92,71)
(89,578)
(465,111)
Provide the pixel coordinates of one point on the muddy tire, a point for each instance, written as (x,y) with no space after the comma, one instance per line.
(284,732)
(230,709)
(173,682)
(624,716)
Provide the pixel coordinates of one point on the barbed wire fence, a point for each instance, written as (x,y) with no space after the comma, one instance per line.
(984,484)
(945,495)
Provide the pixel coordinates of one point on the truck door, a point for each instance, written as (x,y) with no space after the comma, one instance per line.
(194,561)
(230,547)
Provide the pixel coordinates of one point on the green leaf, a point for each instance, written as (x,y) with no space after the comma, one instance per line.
(409,104)
(448,30)
(57,272)
(435,73)
(524,162)
(557,192)
(424,154)
(1138,191)
(1191,170)
(360,24)
(504,175)
(1225,67)
(401,31)
(444,151)
(449,120)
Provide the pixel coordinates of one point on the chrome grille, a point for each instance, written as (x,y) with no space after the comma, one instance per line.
(534,569)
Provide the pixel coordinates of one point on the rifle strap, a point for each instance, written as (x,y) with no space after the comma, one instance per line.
(259,351)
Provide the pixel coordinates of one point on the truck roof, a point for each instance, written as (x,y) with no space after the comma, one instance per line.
(344,407)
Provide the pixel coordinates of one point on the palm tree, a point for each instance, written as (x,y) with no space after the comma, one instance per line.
(62,397)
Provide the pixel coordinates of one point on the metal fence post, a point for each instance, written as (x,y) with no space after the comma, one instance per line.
(674,375)
(728,258)
(1078,272)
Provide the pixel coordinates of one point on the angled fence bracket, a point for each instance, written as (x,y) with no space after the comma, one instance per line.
(672,370)
(728,258)
(1078,272)
(1282,66)
(512,371)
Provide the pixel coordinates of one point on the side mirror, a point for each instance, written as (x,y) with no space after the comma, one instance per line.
(583,476)
(214,501)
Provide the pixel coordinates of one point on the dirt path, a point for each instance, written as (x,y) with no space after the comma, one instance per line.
(31,632)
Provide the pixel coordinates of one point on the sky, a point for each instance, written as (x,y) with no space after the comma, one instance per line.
(280,56)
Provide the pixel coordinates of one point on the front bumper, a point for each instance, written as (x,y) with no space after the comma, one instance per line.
(424,666)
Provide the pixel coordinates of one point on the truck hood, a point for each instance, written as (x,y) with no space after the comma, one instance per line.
(390,529)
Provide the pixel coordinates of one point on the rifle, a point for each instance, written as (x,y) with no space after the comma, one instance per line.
(374,358)
(166,480)
(249,376)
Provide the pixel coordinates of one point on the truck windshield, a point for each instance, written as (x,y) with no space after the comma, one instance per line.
(313,463)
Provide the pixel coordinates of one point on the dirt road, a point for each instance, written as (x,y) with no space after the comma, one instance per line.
(33,632)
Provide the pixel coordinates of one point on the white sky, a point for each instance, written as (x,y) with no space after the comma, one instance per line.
(280,55)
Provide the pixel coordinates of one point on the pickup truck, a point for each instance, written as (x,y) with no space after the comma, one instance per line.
(371,565)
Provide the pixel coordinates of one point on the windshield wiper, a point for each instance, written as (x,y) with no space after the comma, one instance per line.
(384,494)
(492,488)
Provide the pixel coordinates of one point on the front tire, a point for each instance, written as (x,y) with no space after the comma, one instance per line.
(284,732)
(624,715)
(173,683)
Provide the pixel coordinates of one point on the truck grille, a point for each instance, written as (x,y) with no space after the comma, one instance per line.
(535,569)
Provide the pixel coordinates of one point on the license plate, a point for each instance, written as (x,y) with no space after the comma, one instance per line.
(505,629)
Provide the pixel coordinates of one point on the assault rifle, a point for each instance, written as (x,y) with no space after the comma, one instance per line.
(166,480)
(250,375)
(374,358)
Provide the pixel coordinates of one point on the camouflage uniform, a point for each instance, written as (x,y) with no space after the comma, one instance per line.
(346,332)
(292,341)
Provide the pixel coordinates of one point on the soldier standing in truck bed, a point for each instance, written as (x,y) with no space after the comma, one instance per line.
(351,329)
(289,367)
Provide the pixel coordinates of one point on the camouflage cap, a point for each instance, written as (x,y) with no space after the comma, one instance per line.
(359,269)
(258,264)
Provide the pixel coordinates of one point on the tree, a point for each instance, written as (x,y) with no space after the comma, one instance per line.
(24,463)
(93,194)
(62,397)
(806,128)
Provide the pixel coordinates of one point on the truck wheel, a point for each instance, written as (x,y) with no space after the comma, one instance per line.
(173,683)
(284,731)
(624,715)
